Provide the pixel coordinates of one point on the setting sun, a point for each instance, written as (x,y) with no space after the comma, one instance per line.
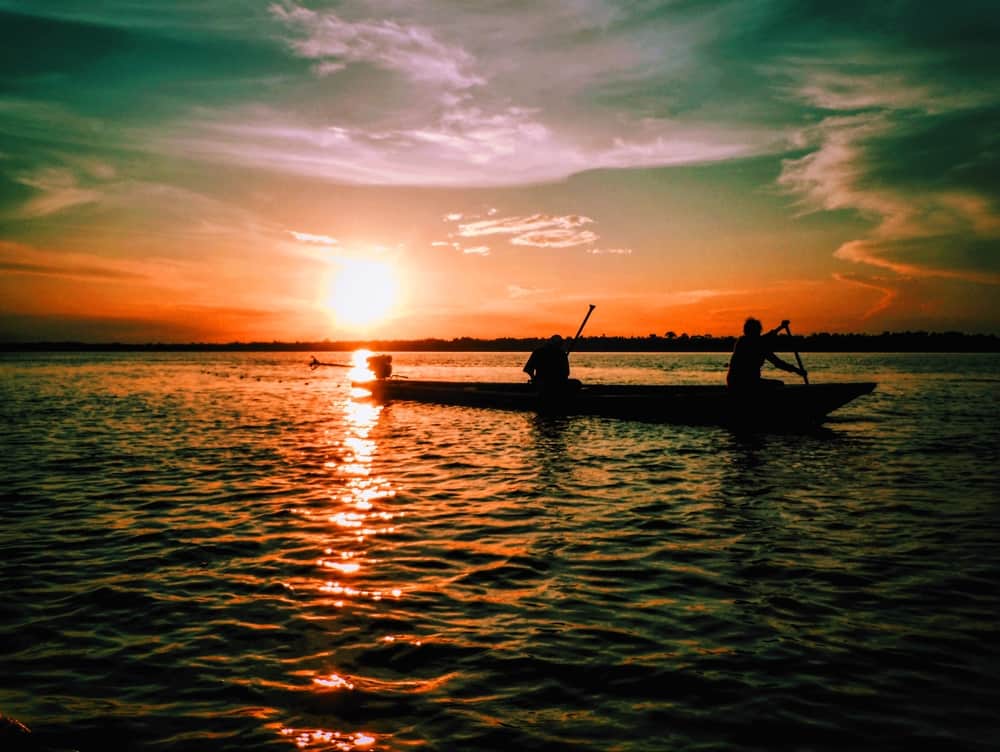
(361,292)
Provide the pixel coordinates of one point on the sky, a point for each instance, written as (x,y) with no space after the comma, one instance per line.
(180,171)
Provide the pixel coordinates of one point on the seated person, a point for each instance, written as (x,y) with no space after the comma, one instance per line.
(749,354)
(548,366)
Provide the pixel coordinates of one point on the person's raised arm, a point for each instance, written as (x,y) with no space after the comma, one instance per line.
(783,325)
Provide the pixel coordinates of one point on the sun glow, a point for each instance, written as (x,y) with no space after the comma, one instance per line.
(361,292)
(359,367)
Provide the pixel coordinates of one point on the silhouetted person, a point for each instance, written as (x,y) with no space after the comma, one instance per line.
(749,354)
(548,367)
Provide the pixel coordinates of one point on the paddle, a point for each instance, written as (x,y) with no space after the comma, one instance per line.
(583,323)
(314,364)
(805,375)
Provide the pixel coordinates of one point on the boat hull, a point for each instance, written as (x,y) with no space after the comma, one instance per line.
(793,405)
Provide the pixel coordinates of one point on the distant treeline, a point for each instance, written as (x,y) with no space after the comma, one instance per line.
(669,342)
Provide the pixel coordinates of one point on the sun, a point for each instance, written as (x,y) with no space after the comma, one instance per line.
(361,292)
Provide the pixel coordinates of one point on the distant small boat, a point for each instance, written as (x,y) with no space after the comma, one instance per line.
(784,406)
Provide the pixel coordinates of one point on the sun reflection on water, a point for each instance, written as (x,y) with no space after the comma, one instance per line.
(333,681)
(343,534)
(320,739)
(359,362)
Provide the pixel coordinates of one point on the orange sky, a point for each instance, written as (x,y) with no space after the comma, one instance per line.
(300,172)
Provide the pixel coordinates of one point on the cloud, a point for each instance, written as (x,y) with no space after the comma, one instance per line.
(555,238)
(68,270)
(479,250)
(887,290)
(517,292)
(49,123)
(610,251)
(924,302)
(59,189)
(409,49)
(674,146)
(538,230)
(160,214)
(462,146)
(159,324)
(909,148)
(427,94)
(874,86)
(535,230)
(306,237)
(417,94)
(690,297)
(18,258)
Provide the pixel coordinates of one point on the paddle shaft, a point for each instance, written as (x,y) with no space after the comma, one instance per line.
(317,363)
(580,330)
(805,376)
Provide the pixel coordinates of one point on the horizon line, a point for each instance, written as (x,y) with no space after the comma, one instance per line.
(621,343)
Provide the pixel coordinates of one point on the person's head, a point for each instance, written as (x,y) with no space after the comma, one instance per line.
(555,340)
(752,327)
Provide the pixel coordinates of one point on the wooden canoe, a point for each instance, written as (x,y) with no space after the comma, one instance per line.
(789,405)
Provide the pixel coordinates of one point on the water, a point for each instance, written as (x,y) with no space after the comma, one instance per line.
(230,552)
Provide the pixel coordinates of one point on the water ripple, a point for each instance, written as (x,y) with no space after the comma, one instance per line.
(212,551)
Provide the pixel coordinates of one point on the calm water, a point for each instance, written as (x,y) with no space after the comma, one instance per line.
(230,552)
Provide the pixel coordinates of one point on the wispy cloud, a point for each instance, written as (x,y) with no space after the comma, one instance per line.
(535,230)
(839,89)
(880,80)
(555,238)
(411,94)
(610,251)
(68,270)
(464,146)
(677,146)
(19,258)
(409,49)
(890,149)
(51,123)
(690,297)
(517,292)
(161,213)
(887,290)
(58,189)
(539,230)
(307,237)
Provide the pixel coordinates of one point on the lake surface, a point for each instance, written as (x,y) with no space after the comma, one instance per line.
(232,552)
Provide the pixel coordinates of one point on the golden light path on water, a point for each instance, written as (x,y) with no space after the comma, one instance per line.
(353,519)
(229,551)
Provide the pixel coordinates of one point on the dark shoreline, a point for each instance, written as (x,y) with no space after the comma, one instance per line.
(886,342)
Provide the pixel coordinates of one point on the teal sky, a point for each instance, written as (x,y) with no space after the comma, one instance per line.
(214,171)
